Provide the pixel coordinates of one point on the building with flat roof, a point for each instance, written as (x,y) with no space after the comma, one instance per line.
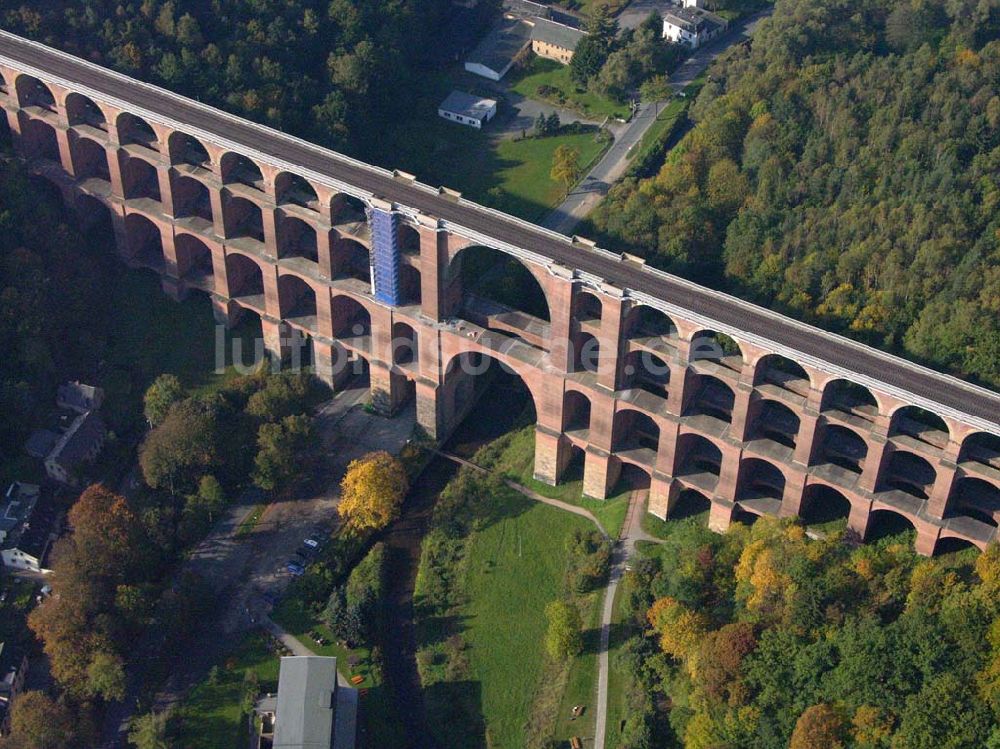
(311,710)
(692,26)
(500,49)
(555,41)
(467,109)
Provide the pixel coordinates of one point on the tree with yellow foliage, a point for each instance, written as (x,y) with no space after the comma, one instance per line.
(680,628)
(372,491)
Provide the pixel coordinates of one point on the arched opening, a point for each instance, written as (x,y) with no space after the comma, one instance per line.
(587,308)
(46,190)
(246,280)
(760,479)
(297,301)
(140,180)
(409,285)
(782,373)
(404,344)
(689,504)
(186,149)
(191,199)
(296,238)
(95,218)
(742,516)
(921,425)
(576,411)
(712,346)
(982,448)
(90,159)
(350,318)
(350,259)
(348,213)
(699,460)
(849,398)
(291,189)
(239,170)
(6,141)
(975,498)
(31,92)
(822,504)
(38,140)
(909,473)
(711,397)
(645,322)
(634,430)
(888,524)
(135,130)
(841,447)
(633,478)
(243,218)
(498,292)
(953,545)
(83,111)
(587,353)
(408,238)
(194,261)
(144,242)
(647,371)
(774,421)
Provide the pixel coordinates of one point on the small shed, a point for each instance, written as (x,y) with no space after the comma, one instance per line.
(467,109)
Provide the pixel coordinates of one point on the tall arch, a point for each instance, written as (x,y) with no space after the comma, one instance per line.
(783,373)
(698,456)
(647,371)
(39,140)
(841,447)
(409,285)
(32,92)
(586,353)
(405,345)
(468,375)
(296,238)
(186,149)
(95,218)
(976,498)
(576,411)
(408,238)
(823,504)
(347,211)
(909,473)
(919,424)
(634,430)
(90,159)
(350,318)
(191,198)
(144,241)
(849,398)
(711,345)
(135,130)
(774,421)
(587,306)
(297,301)
(194,261)
(291,189)
(238,169)
(82,110)
(711,397)
(644,321)
(885,523)
(245,278)
(760,479)
(140,180)
(350,259)
(982,448)
(243,218)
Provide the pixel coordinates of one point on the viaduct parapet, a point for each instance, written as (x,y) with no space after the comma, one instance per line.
(710,399)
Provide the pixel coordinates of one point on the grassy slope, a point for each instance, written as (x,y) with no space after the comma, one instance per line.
(542,72)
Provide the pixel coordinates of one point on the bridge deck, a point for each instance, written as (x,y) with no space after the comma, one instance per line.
(901,376)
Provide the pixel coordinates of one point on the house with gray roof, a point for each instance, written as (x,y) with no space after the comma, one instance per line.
(27,526)
(692,26)
(555,41)
(80,443)
(466,109)
(500,49)
(79,397)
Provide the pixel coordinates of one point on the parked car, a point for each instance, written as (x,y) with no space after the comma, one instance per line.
(312,542)
(295,568)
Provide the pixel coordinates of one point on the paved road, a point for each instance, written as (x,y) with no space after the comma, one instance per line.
(612,166)
(733,315)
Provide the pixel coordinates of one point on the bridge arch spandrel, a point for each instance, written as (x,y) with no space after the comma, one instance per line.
(459,248)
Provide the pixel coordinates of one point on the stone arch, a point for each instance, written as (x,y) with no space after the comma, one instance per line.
(777,370)
(186,149)
(296,238)
(32,92)
(920,424)
(242,218)
(953,545)
(6,140)
(587,306)
(976,498)
(135,130)
(689,503)
(38,139)
(140,179)
(634,430)
(351,319)
(759,478)
(982,448)
(347,210)
(850,398)
(297,300)
(714,346)
(586,353)
(576,411)
(885,522)
(405,349)
(144,242)
(698,455)
(293,189)
(90,159)
(82,110)
(409,285)
(194,260)
(95,215)
(644,321)
(823,504)
(466,375)
(500,278)
(245,277)
(647,371)
(711,397)
(237,169)
(841,447)
(191,198)
(408,238)
(45,187)
(350,259)
(773,420)
(909,473)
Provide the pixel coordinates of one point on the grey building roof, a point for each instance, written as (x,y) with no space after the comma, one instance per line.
(79,440)
(467,105)
(693,19)
(79,397)
(556,33)
(26,518)
(306,714)
(41,442)
(499,48)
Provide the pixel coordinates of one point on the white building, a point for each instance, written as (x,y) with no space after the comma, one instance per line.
(692,26)
(466,109)
(26,525)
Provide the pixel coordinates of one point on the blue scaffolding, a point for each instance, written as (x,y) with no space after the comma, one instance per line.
(385,256)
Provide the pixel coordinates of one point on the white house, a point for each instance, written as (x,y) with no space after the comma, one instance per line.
(692,26)
(26,523)
(466,109)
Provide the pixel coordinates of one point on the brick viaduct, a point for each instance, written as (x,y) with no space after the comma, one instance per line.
(706,411)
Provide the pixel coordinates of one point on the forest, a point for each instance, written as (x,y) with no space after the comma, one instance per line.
(844,170)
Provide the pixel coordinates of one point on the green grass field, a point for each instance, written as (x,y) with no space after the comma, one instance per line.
(542,72)
(211,716)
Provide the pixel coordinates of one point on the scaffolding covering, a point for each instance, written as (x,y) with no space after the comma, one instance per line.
(385,256)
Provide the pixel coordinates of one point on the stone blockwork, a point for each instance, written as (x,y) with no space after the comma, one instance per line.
(628,389)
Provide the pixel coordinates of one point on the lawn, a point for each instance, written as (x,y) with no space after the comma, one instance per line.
(513,456)
(563,92)
(211,716)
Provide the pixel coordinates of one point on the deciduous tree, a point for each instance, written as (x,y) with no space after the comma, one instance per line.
(372,491)
(564,638)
